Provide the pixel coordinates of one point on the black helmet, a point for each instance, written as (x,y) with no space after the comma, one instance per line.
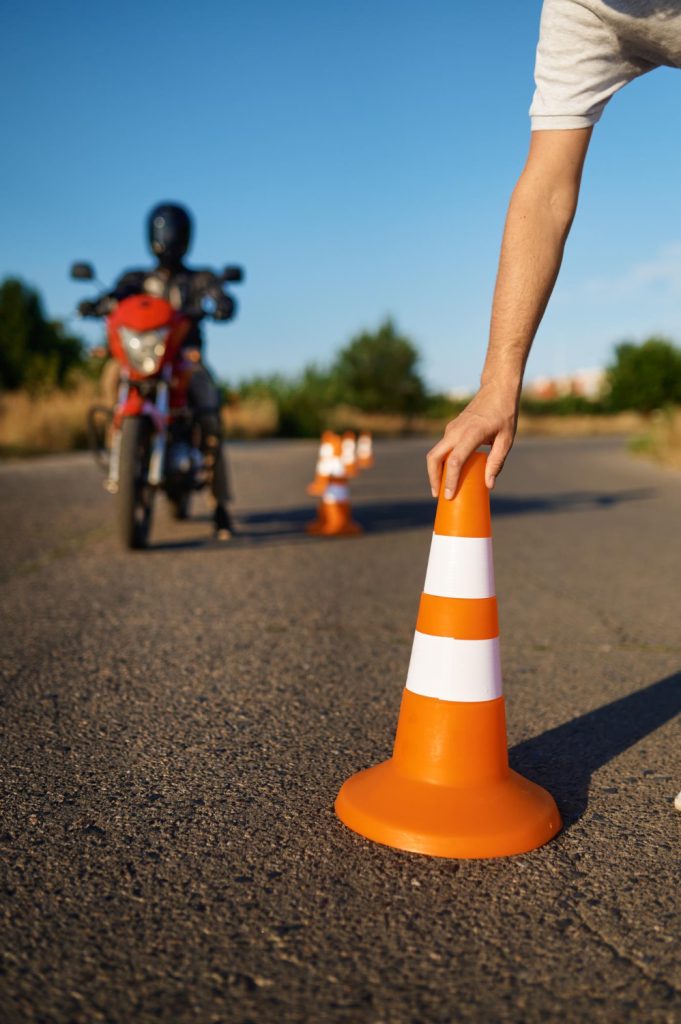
(169,229)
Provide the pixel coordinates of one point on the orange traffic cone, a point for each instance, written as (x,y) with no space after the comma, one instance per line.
(448,790)
(324,463)
(365,453)
(333,512)
(349,453)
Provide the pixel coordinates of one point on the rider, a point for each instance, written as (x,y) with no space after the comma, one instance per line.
(169,229)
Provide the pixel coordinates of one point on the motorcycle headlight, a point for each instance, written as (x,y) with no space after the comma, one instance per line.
(144,349)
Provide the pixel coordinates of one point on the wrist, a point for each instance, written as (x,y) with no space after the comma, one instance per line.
(505,386)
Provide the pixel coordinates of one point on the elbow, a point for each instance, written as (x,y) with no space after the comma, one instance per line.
(554,202)
(563,207)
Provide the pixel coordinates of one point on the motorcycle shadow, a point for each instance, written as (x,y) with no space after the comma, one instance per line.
(288,525)
(284,526)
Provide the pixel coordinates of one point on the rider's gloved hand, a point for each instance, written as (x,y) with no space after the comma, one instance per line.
(224,308)
(87,308)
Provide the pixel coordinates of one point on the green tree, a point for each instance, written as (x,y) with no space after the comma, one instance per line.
(646,376)
(302,401)
(379,372)
(34,352)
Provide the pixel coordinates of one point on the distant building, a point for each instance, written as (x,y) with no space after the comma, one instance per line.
(582,383)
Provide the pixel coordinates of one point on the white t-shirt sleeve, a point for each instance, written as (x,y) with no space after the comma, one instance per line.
(580,65)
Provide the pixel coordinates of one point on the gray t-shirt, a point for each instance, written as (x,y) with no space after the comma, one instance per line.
(588,49)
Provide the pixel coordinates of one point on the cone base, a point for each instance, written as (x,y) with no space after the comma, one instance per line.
(348,530)
(497,819)
(333,521)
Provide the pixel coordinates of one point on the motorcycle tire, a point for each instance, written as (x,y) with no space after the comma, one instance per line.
(135,495)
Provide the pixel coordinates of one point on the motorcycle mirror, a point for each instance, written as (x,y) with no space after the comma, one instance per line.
(232,274)
(82,272)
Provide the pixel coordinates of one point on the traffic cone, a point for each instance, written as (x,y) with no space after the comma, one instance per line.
(365,453)
(324,462)
(333,512)
(349,453)
(447,790)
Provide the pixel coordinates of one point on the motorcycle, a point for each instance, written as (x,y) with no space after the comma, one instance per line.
(149,441)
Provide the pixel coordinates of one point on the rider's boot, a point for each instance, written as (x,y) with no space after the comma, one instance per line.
(224,526)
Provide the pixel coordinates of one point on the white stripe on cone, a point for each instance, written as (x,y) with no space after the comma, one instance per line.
(448,669)
(335,493)
(348,451)
(460,567)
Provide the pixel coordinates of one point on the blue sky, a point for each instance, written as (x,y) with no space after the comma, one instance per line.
(355,155)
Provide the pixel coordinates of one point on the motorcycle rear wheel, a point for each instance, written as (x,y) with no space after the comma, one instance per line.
(135,495)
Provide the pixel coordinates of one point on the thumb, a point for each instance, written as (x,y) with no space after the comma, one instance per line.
(497,457)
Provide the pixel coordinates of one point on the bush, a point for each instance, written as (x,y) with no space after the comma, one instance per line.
(375,372)
(378,372)
(34,353)
(645,377)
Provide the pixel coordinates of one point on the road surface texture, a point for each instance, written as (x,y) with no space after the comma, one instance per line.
(176,725)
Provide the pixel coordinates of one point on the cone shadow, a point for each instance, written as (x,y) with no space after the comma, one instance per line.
(564,759)
(389,516)
(287,525)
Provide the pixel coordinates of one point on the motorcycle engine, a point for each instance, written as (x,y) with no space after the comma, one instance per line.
(182,461)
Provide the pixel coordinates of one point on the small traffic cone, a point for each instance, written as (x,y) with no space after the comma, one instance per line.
(324,464)
(349,453)
(365,452)
(447,790)
(333,512)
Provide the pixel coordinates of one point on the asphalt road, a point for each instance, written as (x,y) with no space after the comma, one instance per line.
(176,724)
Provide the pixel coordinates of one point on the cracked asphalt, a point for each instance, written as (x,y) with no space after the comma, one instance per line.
(176,723)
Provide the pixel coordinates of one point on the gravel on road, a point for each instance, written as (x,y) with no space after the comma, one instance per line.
(176,724)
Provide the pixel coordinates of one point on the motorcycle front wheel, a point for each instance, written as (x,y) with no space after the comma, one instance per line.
(135,495)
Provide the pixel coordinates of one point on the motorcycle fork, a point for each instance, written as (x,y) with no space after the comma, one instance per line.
(111,483)
(159,446)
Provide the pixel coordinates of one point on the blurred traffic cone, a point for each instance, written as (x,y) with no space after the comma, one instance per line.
(365,453)
(324,463)
(349,453)
(333,512)
(448,790)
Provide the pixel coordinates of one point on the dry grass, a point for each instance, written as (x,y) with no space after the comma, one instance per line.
(662,439)
(55,422)
(345,417)
(384,425)
(251,417)
(618,424)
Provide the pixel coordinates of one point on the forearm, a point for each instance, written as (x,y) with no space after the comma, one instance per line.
(537,225)
(531,253)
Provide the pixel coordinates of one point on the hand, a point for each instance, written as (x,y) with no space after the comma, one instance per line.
(87,308)
(224,308)
(489,418)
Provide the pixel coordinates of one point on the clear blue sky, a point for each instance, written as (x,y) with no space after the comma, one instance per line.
(355,155)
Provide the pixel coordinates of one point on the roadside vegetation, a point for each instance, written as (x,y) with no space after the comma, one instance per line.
(48,379)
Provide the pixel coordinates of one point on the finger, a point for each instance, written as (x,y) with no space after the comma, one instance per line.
(434,460)
(455,460)
(497,458)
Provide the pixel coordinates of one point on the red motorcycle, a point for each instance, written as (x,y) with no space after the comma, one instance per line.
(148,441)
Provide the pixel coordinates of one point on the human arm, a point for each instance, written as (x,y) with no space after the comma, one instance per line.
(129,283)
(538,222)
